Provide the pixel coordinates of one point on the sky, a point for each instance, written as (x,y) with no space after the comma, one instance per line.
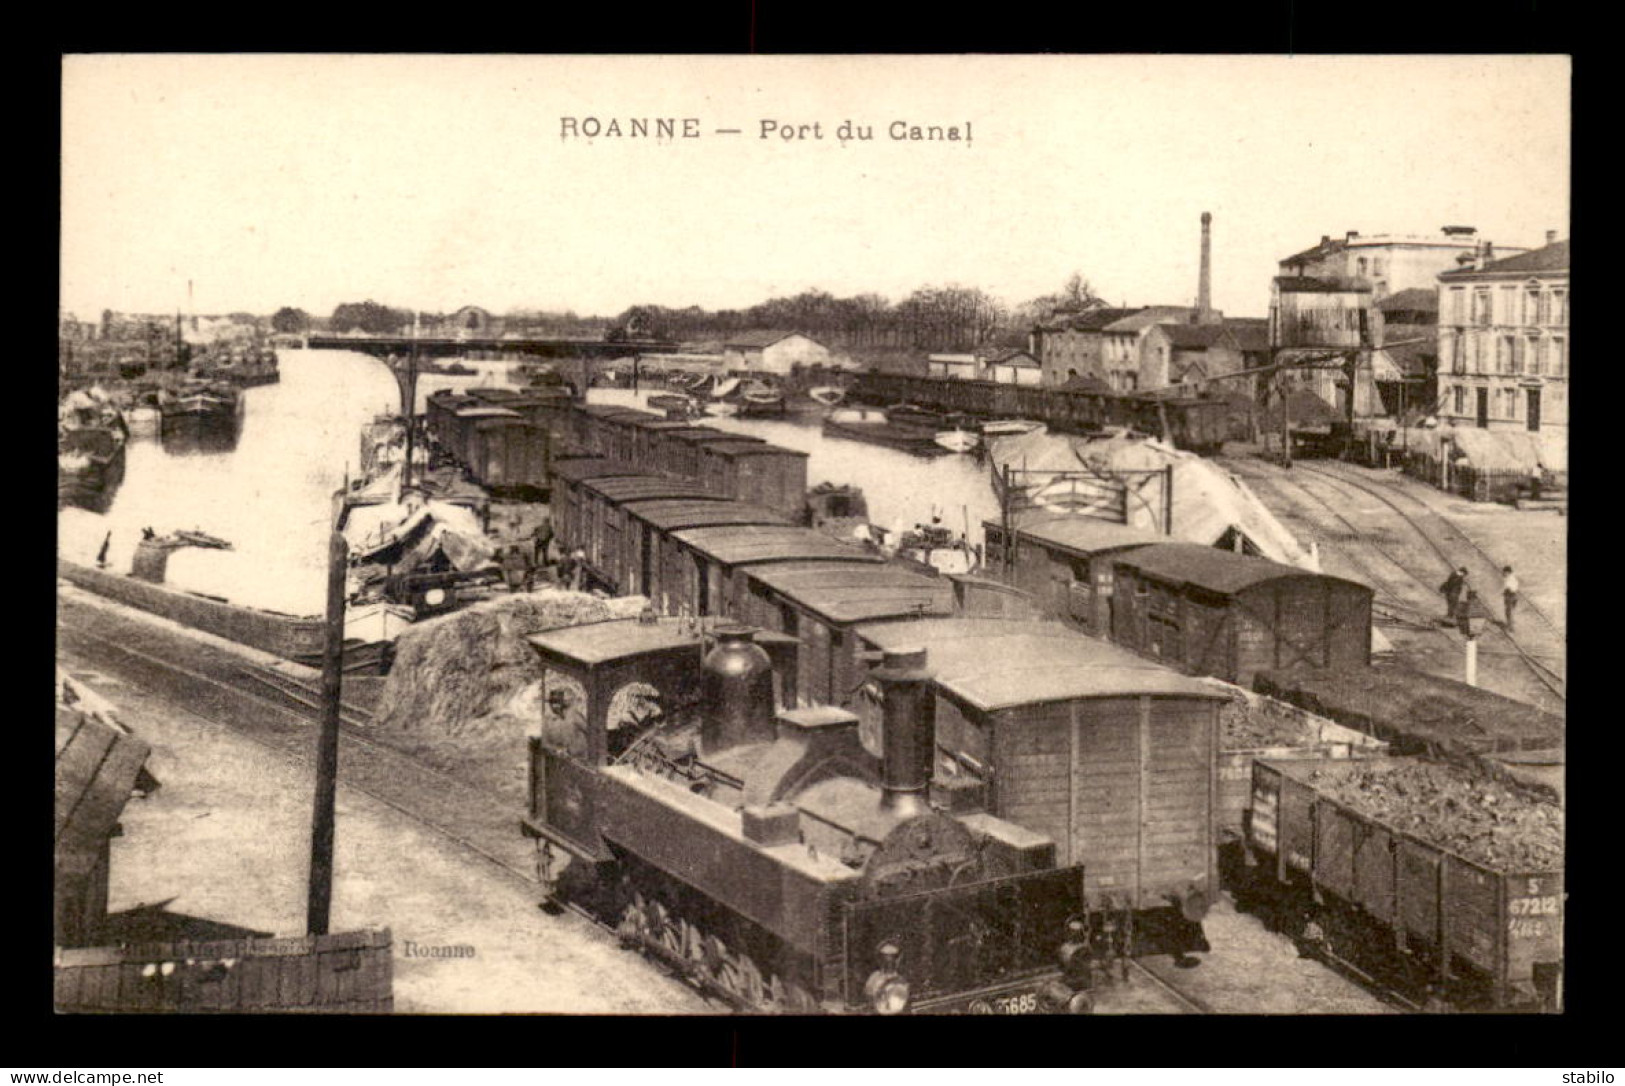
(434,182)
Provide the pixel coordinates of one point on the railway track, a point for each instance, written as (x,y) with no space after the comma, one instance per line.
(1394,606)
(376,762)
(1550,677)
(1189,1003)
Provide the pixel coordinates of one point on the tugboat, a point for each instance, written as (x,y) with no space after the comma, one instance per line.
(200,416)
(937,547)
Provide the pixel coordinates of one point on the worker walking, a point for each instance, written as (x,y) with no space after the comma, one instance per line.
(542,540)
(1509,594)
(1455,591)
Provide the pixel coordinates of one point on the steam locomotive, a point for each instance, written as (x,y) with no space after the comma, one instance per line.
(768,855)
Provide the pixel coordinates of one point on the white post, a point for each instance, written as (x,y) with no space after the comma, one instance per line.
(1472,661)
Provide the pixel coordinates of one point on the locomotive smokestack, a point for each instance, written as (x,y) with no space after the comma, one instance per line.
(908,732)
(737,686)
(1204,286)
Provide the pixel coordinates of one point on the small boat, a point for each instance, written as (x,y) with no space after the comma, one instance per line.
(959,441)
(677,406)
(912,415)
(756,399)
(828,395)
(91,437)
(203,401)
(938,548)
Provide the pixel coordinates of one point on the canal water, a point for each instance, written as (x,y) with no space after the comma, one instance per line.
(902,490)
(270,494)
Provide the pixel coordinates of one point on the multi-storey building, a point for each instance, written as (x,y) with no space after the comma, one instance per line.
(1389,263)
(1504,342)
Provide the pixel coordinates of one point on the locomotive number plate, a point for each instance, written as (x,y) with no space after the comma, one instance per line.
(1024,1003)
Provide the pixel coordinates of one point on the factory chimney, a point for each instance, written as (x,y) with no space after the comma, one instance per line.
(908,732)
(1204,293)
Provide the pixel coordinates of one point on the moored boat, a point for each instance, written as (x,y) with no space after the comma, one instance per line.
(862,424)
(1008,427)
(828,395)
(212,401)
(91,437)
(959,441)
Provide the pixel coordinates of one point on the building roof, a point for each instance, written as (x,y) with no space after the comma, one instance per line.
(763,339)
(1550,258)
(994,664)
(1327,247)
(1083,535)
(1251,333)
(1193,337)
(1416,348)
(97,765)
(673,514)
(1210,568)
(1419,299)
(845,592)
(1013,356)
(733,546)
(1152,314)
(1091,320)
(952,359)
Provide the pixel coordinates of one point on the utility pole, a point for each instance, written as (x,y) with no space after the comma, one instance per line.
(327,744)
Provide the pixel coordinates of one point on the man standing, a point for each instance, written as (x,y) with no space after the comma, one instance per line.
(1454,591)
(1509,593)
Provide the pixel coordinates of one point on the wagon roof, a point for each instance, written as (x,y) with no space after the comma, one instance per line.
(703,434)
(671,514)
(846,592)
(750,447)
(995,664)
(1086,534)
(592,467)
(736,545)
(621,488)
(611,411)
(602,642)
(1216,570)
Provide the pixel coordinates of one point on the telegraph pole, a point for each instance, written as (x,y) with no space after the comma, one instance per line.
(327,744)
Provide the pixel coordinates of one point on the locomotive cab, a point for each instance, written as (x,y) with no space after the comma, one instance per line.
(767,853)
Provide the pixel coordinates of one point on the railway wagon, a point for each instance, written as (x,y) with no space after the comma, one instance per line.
(1065,563)
(679,451)
(766,855)
(549,408)
(593,427)
(1489,934)
(651,523)
(1194,423)
(703,571)
(1229,615)
(605,530)
(822,604)
(1415,712)
(510,457)
(570,525)
(1112,757)
(754,471)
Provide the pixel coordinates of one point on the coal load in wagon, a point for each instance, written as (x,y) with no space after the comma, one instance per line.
(472,675)
(1475,817)
(1249,721)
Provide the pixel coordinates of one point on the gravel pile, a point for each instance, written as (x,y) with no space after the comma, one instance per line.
(471,673)
(1473,816)
(1249,721)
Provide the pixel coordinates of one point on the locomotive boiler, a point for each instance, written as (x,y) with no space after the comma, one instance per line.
(768,855)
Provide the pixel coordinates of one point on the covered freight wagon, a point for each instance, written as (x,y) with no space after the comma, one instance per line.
(510,457)
(1230,615)
(1110,755)
(822,603)
(607,535)
(1065,563)
(678,452)
(754,471)
(1409,900)
(651,524)
(703,572)
(570,524)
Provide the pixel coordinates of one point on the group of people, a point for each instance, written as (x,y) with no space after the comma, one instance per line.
(523,564)
(1461,599)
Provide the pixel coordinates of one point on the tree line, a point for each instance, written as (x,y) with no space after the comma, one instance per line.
(932,318)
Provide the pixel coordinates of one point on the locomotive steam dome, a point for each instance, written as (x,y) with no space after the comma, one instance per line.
(736,684)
